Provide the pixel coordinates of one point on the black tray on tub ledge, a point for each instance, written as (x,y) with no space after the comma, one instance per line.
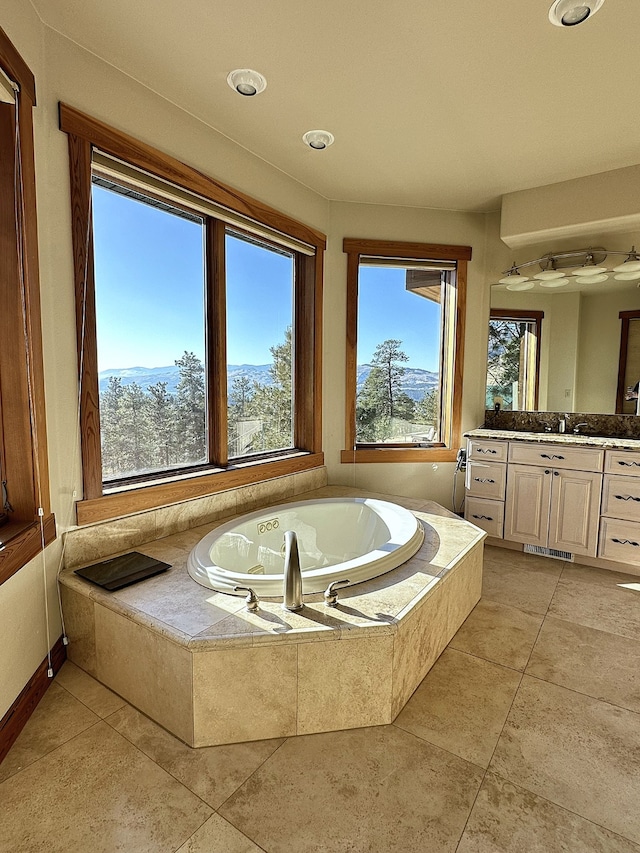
(122,571)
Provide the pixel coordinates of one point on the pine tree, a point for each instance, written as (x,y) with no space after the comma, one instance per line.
(191,409)
(382,399)
(162,414)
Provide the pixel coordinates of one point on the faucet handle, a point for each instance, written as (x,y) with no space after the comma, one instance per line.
(251,601)
(331,592)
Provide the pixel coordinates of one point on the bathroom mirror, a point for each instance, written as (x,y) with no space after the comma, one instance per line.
(586,353)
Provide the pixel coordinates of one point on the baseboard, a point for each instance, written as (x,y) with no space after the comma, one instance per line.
(595,562)
(16,717)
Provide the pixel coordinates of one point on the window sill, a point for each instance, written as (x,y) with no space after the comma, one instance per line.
(155,495)
(23,542)
(398,454)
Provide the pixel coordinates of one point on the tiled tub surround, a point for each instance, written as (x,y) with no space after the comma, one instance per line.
(211,673)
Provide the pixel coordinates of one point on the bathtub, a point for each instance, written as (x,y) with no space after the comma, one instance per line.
(338,538)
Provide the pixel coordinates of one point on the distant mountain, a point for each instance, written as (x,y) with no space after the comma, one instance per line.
(416,382)
(146,376)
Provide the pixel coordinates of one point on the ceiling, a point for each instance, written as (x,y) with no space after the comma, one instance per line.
(433,103)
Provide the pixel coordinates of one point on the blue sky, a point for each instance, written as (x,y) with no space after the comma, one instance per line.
(150,288)
(150,294)
(387,310)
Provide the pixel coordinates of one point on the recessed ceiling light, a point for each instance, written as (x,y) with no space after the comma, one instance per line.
(246,82)
(570,13)
(318,139)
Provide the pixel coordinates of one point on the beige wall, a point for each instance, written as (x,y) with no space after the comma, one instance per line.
(428,480)
(66,72)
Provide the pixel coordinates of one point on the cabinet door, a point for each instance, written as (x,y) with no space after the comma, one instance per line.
(575,507)
(527,504)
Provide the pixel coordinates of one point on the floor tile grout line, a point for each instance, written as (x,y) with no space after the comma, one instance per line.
(262,763)
(50,752)
(486,660)
(515,694)
(82,702)
(564,808)
(580,693)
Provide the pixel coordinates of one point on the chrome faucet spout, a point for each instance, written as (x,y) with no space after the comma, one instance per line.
(292,584)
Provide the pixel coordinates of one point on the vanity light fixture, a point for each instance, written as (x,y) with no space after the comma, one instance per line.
(583,266)
(246,82)
(570,13)
(632,264)
(318,139)
(513,277)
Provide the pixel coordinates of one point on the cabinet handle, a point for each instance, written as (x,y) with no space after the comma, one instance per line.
(486,517)
(553,456)
(486,450)
(628,464)
(627,498)
(626,542)
(483,480)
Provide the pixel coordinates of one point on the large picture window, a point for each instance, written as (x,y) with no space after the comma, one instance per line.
(198,317)
(404,350)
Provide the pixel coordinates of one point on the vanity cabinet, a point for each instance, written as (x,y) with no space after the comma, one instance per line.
(549,495)
(620,523)
(553,508)
(485,485)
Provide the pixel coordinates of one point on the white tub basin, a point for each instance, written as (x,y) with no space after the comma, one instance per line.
(338,538)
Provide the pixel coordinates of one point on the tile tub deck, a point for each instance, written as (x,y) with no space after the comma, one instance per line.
(210,672)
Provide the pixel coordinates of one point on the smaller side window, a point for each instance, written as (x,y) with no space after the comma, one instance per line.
(405,331)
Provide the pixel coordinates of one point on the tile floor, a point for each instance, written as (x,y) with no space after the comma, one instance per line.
(523,738)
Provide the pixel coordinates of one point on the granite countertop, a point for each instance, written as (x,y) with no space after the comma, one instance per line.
(556,438)
(174,605)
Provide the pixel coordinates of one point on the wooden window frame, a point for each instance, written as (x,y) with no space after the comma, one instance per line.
(85,134)
(533,377)
(625,317)
(32,524)
(453,325)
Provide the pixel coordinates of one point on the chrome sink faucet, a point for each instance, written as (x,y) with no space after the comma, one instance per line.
(292,584)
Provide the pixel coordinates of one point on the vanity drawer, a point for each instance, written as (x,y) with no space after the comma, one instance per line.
(557,456)
(622,462)
(486,479)
(488,515)
(620,541)
(621,497)
(494,451)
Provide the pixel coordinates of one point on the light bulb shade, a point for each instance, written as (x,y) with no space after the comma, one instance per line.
(570,13)
(627,266)
(591,279)
(549,275)
(520,285)
(318,139)
(631,275)
(246,82)
(555,282)
(589,270)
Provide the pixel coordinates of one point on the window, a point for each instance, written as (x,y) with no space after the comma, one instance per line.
(198,317)
(405,328)
(513,362)
(27,522)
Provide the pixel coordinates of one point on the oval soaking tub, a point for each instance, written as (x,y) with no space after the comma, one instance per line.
(338,538)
